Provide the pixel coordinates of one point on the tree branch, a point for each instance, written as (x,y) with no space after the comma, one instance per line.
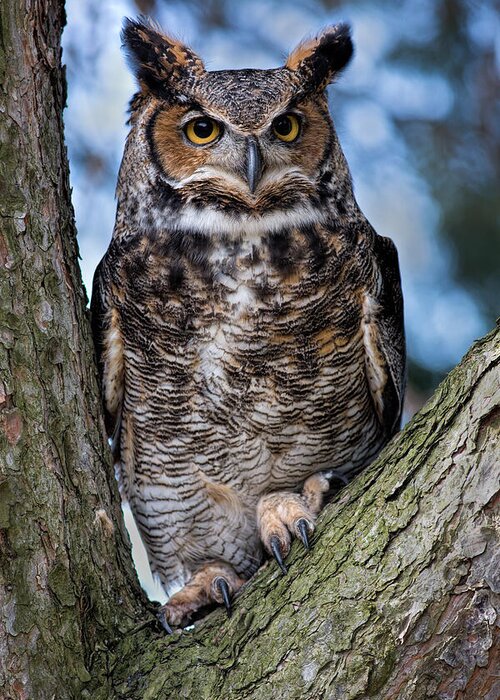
(397,599)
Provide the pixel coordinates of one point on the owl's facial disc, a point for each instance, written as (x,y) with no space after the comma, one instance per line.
(232,152)
(249,168)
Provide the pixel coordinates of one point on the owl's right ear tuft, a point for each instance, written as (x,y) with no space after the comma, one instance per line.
(161,64)
(319,60)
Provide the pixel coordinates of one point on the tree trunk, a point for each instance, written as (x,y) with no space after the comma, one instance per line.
(398,598)
(66,583)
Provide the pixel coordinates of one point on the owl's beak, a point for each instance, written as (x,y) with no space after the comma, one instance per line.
(254,163)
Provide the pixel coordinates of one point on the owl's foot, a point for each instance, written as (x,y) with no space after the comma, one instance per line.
(318,487)
(216,582)
(282,515)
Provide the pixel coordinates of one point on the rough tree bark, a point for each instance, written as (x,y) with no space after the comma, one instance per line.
(63,588)
(399,597)
(397,600)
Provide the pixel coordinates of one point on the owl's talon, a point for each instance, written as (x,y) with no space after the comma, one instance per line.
(162,619)
(223,587)
(280,517)
(215,582)
(303,532)
(276,550)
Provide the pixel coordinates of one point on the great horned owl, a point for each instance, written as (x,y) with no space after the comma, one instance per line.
(247,318)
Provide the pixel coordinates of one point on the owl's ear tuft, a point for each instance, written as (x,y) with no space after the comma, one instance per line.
(162,64)
(319,60)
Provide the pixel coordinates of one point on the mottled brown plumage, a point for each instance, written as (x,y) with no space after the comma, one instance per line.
(248,320)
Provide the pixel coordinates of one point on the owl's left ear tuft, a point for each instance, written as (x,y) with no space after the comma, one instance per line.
(318,61)
(162,64)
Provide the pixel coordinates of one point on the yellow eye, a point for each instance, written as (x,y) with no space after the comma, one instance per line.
(286,127)
(202,131)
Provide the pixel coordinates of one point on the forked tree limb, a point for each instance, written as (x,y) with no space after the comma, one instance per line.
(398,598)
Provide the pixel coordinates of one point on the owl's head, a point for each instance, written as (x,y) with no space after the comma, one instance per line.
(243,144)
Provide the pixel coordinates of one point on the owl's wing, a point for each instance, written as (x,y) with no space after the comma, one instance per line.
(108,342)
(383,329)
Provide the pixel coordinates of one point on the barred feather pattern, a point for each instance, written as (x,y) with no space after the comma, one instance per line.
(240,381)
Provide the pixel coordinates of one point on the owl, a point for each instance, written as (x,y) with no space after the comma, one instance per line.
(247,318)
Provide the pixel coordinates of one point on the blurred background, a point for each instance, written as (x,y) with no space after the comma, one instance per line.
(417,113)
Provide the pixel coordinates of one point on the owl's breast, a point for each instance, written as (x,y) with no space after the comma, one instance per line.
(254,353)
(244,373)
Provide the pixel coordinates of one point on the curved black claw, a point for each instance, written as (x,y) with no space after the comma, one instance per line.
(223,587)
(276,550)
(303,530)
(162,619)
